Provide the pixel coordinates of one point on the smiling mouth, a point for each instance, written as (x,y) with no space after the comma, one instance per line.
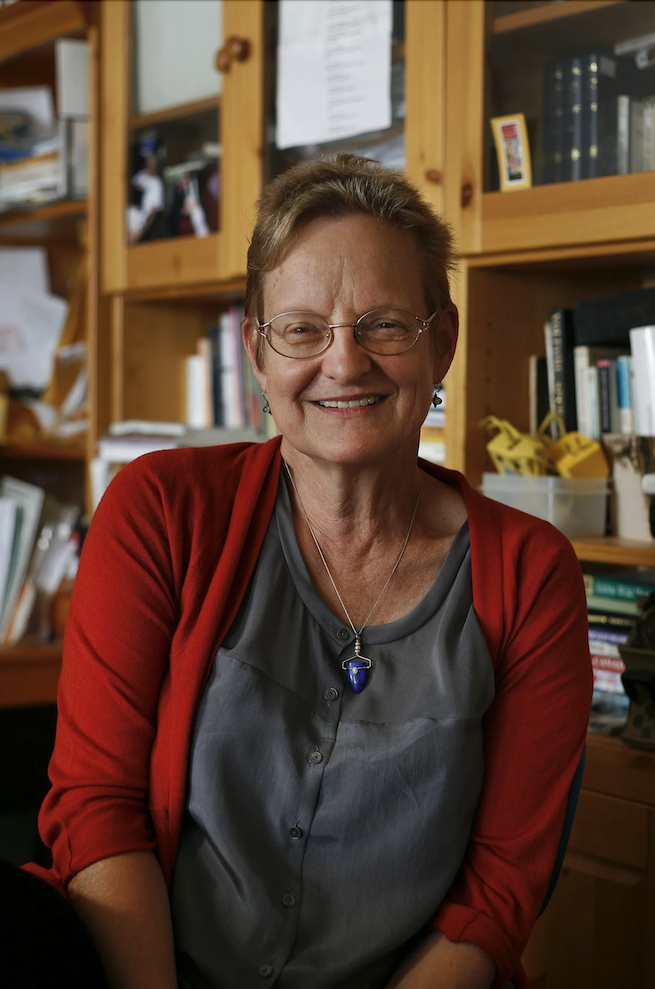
(353,403)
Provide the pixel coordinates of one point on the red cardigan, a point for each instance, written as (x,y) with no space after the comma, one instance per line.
(164,569)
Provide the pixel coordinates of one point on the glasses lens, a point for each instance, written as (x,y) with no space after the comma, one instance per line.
(299,334)
(388,331)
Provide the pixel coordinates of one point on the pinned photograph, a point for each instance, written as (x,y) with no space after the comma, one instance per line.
(513,151)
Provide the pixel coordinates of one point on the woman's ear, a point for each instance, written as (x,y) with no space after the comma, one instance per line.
(447,334)
(251,337)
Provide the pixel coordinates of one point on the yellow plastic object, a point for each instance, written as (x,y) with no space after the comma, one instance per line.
(513,452)
(572,455)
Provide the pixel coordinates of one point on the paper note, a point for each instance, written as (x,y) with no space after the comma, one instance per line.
(334,70)
(30,327)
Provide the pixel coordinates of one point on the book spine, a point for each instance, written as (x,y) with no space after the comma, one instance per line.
(622,135)
(604,396)
(572,150)
(626,416)
(636,136)
(563,370)
(649,134)
(607,672)
(596,602)
(602,634)
(580,367)
(553,122)
(217,374)
(642,345)
(593,396)
(602,618)
(623,590)
(195,392)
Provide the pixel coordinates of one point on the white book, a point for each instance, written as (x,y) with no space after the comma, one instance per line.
(636,136)
(229,372)
(29,502)
(146,427)
(642,345)
(622,135)
(72,75)
(8,511)
(585,357)
(125,449)
(649,133)
(195,392)
(593,399)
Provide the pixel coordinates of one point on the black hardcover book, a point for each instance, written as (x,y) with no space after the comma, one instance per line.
(572,147)
(217,374)
(561,328)
(598,115)
(606,322)
(553,120)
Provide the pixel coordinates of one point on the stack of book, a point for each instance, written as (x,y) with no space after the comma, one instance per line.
(599,368)
(44,157)
(598,117)
(613,606)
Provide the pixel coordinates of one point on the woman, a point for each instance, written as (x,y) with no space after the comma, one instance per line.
(327,694)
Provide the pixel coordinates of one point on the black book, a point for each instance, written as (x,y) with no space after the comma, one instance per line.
(217,374)
(598,115)
(572,127)
(553,120)
(606,322)
(560,351)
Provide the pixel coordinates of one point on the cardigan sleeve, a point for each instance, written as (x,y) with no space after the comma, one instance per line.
(534,734)
(116,652)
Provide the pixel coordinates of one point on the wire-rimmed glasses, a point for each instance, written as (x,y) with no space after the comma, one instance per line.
(381,331)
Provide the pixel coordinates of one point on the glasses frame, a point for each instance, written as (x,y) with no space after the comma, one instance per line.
(424,324)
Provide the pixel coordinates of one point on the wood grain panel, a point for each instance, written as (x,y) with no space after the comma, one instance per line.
(425,91)
(612,829)
(178,261)
(242,135)
(114,89)
(618,769)
(29,675)
(616,207)
(465,66)
(30,24)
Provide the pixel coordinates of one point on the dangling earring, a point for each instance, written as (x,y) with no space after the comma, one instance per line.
(436,398)
(266,409)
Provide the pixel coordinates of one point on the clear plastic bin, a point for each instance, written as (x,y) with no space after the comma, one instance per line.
(577,506)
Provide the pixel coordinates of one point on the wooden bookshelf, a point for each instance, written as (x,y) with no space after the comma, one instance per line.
(178,112)
(624,552)
(43,451)
(29,24)
(29,674)
(48,223)
(545,13)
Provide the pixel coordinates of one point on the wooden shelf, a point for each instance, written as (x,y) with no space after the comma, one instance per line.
(612,766)
(178,112)
(179,261)
(551,29)
(29,674)
(625,552)
(50,222)
(30,23)
(43,451)
(566,214)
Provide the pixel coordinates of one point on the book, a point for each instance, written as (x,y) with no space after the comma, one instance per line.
(28,499)
(572,123)
(217,374)
(624,375)
(561,375)
(603,619)
(636,135)
(584,358)
(553,120)
(204,352)
(642,345)
(627,585)
(146,427)
(649,133)
(607,321)
(598,602)
(607,672)
(125,449)
(195,391)
(599,633)
(598,119)
(538,393)
(8,512)
(623,134)
(593,402)
(609,396)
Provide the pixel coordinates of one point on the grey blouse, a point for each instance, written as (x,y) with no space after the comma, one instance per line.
(323,828)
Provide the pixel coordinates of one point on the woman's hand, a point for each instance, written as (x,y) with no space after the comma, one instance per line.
(443,964)
(123,901)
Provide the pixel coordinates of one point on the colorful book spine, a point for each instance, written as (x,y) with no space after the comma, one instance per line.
(599,633)
(624,377)
(599,602)
(618,589)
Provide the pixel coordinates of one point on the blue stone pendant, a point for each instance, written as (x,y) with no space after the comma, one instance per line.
(356,667)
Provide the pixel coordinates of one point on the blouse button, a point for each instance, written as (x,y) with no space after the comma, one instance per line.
(331,694)
(343,633)
(289,900)
(315,757)
(265,971)
(295,833)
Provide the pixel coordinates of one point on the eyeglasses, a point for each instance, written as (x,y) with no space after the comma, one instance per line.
(381,331)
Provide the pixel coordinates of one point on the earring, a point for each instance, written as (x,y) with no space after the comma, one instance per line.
(266,409)
(436,398)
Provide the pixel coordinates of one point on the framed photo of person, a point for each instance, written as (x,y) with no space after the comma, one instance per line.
(513,152)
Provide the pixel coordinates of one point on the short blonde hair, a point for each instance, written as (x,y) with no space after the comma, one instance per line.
(341,186)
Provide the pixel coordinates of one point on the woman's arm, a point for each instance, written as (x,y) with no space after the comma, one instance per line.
(124,903)
(443,964)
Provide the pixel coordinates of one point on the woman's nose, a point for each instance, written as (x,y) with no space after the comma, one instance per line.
(345,359)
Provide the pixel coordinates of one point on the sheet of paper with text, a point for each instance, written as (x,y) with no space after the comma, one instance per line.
(334,70)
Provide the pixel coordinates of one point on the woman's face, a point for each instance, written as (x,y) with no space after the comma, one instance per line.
(341,269)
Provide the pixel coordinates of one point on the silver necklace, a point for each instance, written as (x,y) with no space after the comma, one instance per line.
(356,665)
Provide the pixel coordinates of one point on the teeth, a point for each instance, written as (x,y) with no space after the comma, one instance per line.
(356,403)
